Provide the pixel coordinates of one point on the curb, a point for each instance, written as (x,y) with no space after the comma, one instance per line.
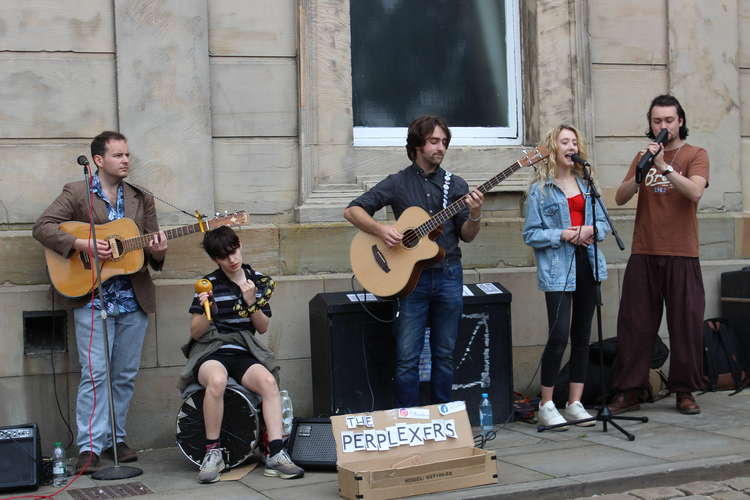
(600,483)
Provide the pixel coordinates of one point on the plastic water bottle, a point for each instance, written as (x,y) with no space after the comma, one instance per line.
(58,466)
(287,413)
(485,413)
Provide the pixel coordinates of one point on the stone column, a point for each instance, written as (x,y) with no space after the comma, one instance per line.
(583,94)
(704,76)
(555,58)
(163,96)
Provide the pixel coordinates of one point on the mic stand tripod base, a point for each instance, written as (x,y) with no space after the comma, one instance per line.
(116,472)
(605,416)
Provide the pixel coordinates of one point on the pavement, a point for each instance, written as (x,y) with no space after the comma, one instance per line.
(673,455)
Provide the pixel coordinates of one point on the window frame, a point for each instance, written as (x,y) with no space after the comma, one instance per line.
(472,136)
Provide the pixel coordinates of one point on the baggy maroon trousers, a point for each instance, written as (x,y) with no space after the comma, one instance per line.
(650,282)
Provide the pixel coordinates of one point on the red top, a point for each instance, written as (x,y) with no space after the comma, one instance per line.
(576,206)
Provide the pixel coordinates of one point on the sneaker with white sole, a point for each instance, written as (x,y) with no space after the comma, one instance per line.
(576,411)
(212,466)
(548,415)
(281,465)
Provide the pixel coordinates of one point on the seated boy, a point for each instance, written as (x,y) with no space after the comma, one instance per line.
(227,347)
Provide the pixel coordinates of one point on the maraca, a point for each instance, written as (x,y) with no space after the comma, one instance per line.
(204,285)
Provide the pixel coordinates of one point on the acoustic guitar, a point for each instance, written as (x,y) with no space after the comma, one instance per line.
(72,277)
(394,271)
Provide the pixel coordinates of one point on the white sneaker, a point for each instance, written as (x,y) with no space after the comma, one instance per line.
(576,411)
(281,465)
(212,466)
(548,415)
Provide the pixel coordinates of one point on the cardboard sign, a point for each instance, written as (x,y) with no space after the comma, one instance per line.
(409,451)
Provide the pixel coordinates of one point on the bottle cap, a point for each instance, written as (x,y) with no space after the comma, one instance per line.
(485,395)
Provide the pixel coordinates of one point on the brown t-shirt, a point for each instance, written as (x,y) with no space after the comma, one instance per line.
(666,221)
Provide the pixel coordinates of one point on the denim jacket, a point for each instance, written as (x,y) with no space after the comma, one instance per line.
(547,215)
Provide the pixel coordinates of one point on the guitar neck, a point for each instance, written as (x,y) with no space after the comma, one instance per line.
(445,214)
(144,240)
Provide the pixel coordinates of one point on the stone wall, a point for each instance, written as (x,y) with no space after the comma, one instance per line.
(246,104)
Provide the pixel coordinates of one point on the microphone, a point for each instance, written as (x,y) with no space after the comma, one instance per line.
(82,160)
(648,157)
(579,160)
(204,285)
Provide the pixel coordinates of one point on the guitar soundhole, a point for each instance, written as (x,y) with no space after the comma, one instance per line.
(410,239)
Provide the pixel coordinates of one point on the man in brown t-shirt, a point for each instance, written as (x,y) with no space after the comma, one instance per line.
(663,268)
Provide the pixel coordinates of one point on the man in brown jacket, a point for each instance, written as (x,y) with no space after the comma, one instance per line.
(128,299)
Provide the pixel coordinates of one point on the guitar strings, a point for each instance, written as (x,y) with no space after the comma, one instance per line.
(437,220)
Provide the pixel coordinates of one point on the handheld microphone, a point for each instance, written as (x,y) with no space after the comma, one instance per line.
(579,160)
(648,157)
(82,160)
(204,285)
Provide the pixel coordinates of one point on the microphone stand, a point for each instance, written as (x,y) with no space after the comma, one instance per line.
(117,471)
(604,414)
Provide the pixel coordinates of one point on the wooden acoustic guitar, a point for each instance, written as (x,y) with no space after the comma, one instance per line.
(72,277)
(394,271)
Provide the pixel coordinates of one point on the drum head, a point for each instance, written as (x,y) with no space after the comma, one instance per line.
(239,428)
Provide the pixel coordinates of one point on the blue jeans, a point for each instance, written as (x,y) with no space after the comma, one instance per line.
(436,301)
(126,332)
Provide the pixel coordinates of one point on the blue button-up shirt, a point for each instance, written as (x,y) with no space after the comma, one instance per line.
(117,291)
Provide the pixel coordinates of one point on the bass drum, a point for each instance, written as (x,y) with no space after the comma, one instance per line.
(240,428)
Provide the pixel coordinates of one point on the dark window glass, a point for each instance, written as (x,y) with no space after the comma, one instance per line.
(414,57)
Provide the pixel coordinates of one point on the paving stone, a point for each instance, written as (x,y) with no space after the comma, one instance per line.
(730,495)
(659,493)
(703,487)
(738,483)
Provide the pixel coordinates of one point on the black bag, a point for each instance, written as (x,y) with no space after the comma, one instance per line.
(596,374)
(721,367)
(609,349)
(592,388)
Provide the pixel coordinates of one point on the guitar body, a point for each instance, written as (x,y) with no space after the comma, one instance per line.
(394,271)
(72,276)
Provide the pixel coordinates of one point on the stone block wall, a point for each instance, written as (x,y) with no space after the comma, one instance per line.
(246,104)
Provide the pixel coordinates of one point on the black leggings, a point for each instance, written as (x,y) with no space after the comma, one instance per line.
(561,324)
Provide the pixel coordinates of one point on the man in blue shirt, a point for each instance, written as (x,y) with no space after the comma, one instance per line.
(437,300)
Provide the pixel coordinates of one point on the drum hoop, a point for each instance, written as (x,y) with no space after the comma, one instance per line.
(255,417)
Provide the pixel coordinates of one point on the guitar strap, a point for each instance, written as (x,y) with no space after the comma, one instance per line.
(146,191)
(446,185)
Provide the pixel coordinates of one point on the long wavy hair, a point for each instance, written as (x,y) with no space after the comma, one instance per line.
(547,169)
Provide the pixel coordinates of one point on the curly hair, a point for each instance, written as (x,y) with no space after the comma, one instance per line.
(547,169)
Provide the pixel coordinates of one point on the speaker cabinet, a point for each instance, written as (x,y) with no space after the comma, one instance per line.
(311,444)
(735,307)
(353,353)
(20,457)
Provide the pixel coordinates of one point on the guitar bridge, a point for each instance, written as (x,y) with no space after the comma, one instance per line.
(116,246)
(380,259)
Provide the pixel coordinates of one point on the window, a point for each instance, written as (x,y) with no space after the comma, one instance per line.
(457,59)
